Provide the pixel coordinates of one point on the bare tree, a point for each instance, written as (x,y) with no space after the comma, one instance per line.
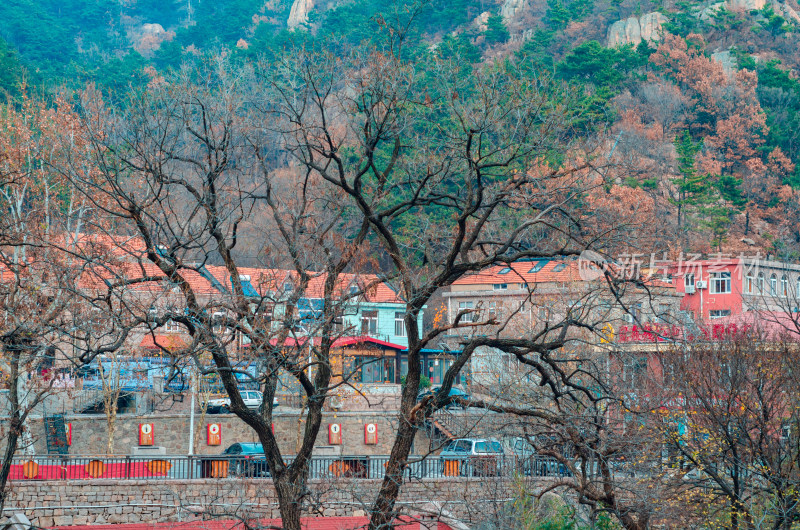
(453,174)
(339,164)
(185,171)
(39,271)
(728,414)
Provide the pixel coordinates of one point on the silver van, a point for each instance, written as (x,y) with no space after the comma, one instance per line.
(472,457)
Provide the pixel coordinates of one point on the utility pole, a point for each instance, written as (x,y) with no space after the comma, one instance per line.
(193,391)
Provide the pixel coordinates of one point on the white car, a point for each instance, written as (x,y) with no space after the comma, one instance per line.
(252,400)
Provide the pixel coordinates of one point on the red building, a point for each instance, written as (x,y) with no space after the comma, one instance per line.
(726,287)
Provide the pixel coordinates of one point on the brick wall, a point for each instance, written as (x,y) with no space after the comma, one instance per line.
(102,501)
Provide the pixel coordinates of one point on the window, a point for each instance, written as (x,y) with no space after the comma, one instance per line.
(749,284)
(399,324)
(463,446)
(288,287)
(784,286)
(505,270)
(539,265)
(488,447)
(773,285)
(560,267)
(760,285)
(719,313)
(172,327)
(688,280)
(375,369)
(500,286)
(544,314)
(152,315)
(634,371)
(492,309)
(369,322)
(216,323)
(634,313)
(720,283)
(310,311)
(462,306)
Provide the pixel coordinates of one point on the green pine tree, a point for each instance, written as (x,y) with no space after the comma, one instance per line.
(692,188)
(496,31)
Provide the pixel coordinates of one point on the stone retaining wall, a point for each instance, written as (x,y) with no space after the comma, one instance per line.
(89,432)
(131,501)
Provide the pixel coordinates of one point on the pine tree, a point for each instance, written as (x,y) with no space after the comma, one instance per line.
(692,188)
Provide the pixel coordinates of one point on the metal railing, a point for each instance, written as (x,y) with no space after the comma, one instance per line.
(163,467)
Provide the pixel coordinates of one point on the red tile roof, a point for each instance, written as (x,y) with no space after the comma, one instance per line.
(168,341)
(308,523)
(349,341)
(341,342)
(544,271)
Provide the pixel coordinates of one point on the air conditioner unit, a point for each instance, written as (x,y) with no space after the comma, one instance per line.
(690,289)
(700,284)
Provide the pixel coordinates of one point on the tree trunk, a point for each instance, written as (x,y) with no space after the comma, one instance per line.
(15,424)
(289,495)
(15,429)
(384,506)
(746,222)
(383,509)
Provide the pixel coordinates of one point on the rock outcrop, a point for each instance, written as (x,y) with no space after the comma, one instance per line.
(148,38)
(634,30)
(511,8)
(481,21)
(780,8)
(727,60)
(299,13)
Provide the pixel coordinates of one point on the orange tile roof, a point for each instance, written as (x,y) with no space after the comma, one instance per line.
(520,272)
(126,261)
(545,271)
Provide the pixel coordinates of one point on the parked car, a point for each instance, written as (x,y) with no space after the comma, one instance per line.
(454,393)
(471,457)
(530,463)
(247,460)
(252,400)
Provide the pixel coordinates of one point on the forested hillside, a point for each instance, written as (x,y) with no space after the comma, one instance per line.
(700,101)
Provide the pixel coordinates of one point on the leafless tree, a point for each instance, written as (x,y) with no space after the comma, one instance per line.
(40,274)
(453,174)
(184,171)
(728,415)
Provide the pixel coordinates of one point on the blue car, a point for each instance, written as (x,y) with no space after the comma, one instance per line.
(454,393)
(247,460)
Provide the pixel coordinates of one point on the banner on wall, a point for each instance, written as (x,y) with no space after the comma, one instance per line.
(335,434)
(145,434)
(371,433)
(214,434)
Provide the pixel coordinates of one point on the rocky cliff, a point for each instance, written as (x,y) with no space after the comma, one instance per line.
(634,30)
(511,8)
(780,8)
(299,13)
